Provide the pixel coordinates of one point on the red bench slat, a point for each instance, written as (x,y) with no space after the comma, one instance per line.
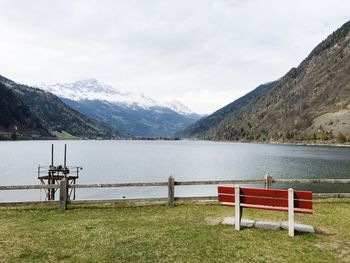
(304,195)
(226,190)
(304,204)
(269,199)
(226,198)
(272,208)
(263,201)
(275,193)
(272,193)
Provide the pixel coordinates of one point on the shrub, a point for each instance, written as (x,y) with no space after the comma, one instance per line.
(340,138)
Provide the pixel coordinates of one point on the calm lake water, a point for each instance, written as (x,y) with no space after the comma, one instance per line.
(143,161)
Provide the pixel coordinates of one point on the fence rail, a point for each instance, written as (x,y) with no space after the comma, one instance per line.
(64,186)
(30,187)
(312,181)
(180,183)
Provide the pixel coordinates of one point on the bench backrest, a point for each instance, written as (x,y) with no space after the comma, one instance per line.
(268,199)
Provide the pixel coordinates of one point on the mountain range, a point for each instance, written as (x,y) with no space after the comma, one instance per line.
(30,113)
(310,102)
(129,112)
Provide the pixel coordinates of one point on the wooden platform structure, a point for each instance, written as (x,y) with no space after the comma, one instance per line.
(51,175)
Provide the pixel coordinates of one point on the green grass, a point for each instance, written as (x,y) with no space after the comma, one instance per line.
(63,135)
(154,233)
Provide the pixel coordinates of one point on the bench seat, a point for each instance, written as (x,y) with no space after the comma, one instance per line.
(273,208)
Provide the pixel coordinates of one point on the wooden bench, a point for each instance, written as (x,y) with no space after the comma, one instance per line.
(290,201)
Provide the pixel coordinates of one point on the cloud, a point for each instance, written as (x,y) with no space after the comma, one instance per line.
(204,53)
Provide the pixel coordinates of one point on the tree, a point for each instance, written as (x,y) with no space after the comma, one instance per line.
(14,136)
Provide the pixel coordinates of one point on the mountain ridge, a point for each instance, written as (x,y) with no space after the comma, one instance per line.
(214,119)
(318,86)
(54,118)
(92,89)
(129,112)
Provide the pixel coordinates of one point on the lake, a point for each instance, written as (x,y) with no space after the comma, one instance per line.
(147,161)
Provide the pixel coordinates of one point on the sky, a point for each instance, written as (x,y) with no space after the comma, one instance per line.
(203,53)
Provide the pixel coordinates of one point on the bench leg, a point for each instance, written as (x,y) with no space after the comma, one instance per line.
(291,212)
(238,209)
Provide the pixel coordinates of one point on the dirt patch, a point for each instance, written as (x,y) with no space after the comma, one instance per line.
(214,220)
(323,231)
(330,245)
(338,248)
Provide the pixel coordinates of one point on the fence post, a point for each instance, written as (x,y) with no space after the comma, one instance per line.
(63,194)
(268,181)
(171,191)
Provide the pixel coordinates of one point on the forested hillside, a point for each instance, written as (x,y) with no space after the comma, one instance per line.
(34,113)
(310,102)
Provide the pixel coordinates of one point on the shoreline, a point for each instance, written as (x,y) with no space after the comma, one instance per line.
(340,145)
(330,144)
(306,143)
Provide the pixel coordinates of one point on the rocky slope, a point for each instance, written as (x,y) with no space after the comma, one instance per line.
(310,102)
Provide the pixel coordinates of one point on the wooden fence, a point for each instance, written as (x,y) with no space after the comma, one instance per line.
(171,198)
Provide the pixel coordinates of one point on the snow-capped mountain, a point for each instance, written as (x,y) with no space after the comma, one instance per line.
(92,89)
(129,112)
(178,107)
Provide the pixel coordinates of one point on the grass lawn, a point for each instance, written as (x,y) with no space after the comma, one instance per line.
(188,232)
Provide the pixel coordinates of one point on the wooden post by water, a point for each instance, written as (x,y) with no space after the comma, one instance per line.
(65,156)
(268,181)
(171,191)
(63,194)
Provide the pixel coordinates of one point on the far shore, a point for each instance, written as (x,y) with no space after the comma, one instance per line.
(298,143)
(313,144)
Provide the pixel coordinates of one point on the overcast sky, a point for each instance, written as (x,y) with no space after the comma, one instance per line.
(202,53)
